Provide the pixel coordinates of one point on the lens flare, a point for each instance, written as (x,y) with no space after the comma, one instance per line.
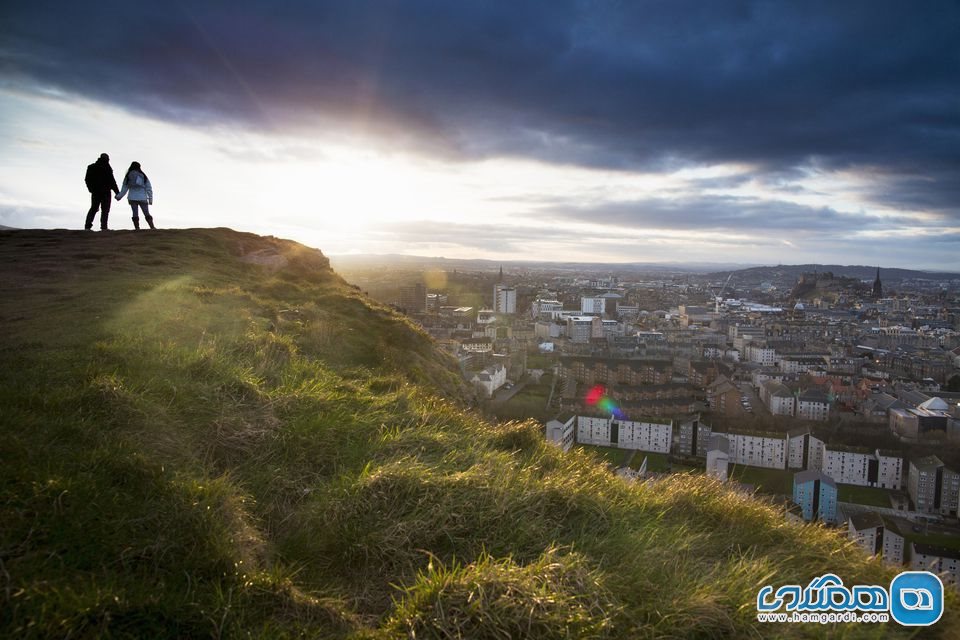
(597,396)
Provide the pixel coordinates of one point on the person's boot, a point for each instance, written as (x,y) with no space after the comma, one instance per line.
(149,221)
(136,223)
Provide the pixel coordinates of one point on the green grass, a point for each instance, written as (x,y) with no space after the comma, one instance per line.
(936,539)
(610,455)
(769,481)
(656,462)
(863,495)
(529,402)
(196,446)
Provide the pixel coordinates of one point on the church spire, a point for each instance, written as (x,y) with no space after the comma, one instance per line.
(877,287)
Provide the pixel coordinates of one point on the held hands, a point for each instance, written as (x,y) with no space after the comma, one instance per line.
(117,196)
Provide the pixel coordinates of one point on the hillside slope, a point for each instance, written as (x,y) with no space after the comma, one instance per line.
(209,434)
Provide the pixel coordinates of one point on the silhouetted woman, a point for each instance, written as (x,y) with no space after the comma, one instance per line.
(141,193)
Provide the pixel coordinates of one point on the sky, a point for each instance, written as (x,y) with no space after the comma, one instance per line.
(580,130)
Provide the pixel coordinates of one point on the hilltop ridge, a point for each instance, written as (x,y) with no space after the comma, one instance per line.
(210,433)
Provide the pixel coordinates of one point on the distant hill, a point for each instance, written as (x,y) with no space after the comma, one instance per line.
(787,275)
(424,262)
(209,434)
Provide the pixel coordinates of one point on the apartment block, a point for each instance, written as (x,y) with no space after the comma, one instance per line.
(562,431)
(863,467)
(816,495)
(625,434)
(933,487)
(942,561)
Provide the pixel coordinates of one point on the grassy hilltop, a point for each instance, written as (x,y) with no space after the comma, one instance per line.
(210,434)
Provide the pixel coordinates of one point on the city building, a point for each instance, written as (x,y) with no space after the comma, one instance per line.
(931,417)
(718,457)
(504,299)
(857,465)
(757,449)
(724,397)
(413,298)
(610,371)
(878,535)
(693,438)
(816,494)
(933,487)
(940,560)
(582,329)
(593,305)
(625,434)
(813,404)
(546,309)
(778,398)
(490,379)
(562,431)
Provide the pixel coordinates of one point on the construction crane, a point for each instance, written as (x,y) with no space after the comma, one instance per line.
(719,297)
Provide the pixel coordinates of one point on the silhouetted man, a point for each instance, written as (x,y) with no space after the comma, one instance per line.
(100,182)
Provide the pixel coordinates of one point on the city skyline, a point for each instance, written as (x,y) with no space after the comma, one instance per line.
(579,132)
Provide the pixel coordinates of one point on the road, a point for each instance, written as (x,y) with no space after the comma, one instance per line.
(503,394)
(746,389)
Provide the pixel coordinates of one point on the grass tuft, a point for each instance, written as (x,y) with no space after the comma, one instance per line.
(556,596)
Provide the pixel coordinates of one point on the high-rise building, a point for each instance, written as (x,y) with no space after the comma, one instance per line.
(816,494)
(504,299)
(413,298)
(933,487)
(593,305)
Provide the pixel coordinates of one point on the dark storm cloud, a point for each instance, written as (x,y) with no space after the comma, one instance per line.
(600,83)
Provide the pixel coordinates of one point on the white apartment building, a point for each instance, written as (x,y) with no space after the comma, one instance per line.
(765,356)
(644,436)
(625,434)
(861,467)
(593,305)
(593,430)
(485,317)
(894,544)
(546,309)
(796,447)
(504,299)
(877,535)
(628,310)
(813,404)
(758,450)
(890,469)
(778,398)
(562,432)
(944,562)
(800,363)
(718,457)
